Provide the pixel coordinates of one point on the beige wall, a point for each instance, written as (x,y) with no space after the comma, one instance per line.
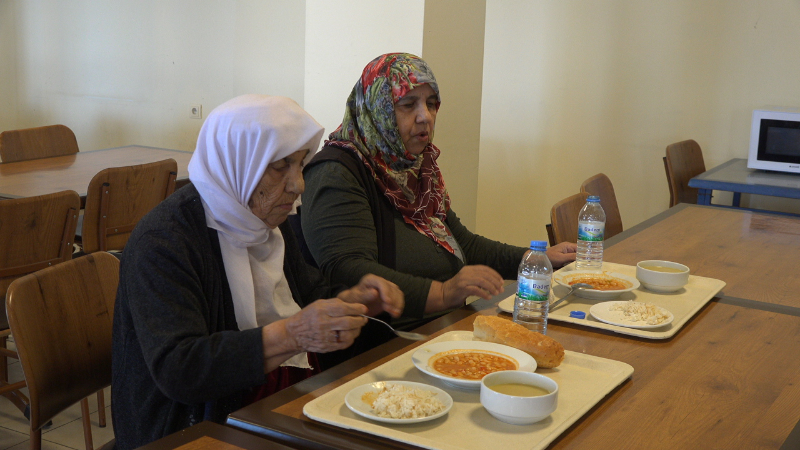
(453,46)
(8,65)
(573,88)
(125,72)
(558,90)
(342,36)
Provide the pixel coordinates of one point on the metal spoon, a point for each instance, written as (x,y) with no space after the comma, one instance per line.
(571,290)
(403,334)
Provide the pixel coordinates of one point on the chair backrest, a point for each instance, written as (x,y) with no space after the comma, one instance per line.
(61,319)
(564,217)
(118,197)
(601,186)
(684,161)
(39,142)
(36,232)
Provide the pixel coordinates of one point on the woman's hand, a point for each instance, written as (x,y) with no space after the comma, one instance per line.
(326,325)
(377,294)
(562,254)
(479,280)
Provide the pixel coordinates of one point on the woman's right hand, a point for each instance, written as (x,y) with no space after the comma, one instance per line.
(479,280)
(326,325)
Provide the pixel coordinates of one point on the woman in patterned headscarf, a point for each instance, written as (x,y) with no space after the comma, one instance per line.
(208,313)
(376,201)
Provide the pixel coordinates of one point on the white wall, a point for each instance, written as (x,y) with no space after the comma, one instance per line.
(342,36)
(127,71)
(572,88)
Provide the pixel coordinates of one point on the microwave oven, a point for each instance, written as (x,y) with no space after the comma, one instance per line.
(775,141)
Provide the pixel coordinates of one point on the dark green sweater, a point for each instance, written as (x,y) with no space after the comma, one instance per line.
(340,232)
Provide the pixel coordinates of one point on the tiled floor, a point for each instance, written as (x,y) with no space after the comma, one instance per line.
(66,431)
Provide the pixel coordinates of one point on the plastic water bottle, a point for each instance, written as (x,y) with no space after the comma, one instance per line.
(591,229)
(533,288)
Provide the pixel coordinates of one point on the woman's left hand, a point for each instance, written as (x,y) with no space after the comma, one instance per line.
(562,254)
(377,294)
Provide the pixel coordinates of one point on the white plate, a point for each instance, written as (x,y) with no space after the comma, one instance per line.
(354,402)
(602,312)
(507,305)
(563,278)
(425,352)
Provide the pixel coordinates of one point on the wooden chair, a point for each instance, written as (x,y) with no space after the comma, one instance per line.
(61,318)
(564,217)
(684,161)
(35,143)
(601,186)
(118,197)
(35,232)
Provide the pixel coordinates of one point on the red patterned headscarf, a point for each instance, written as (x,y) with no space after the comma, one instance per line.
(412,183)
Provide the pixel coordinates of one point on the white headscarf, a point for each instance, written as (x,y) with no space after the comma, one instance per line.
(236,143)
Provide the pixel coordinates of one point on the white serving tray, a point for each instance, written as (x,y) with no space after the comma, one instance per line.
(583,380)
(683,304)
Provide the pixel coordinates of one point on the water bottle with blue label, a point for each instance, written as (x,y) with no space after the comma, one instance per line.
(591,230)
(533,288)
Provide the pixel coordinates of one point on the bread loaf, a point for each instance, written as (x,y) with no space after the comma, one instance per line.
(547,352)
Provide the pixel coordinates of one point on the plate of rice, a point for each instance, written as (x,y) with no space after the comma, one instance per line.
(631,314)
(398,402)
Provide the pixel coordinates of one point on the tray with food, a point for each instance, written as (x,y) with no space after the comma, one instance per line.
(421,397)
(624,305)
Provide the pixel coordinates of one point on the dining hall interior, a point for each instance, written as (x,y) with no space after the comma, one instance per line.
(537,96)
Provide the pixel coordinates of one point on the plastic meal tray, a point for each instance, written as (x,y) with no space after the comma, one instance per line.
(583,381)
(683,304)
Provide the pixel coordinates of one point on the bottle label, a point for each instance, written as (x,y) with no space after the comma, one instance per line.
(533,290)
(591,231)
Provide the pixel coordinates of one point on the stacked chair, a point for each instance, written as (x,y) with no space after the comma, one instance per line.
(683,162)
(119,197)
(62,319)
(563,224)
(35,233)
(35,143)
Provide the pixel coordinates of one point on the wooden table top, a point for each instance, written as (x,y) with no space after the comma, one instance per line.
(728,379)
(213,436)
(73,172)
(750,252)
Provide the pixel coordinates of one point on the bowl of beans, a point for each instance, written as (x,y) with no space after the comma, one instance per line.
(463,364)
(606,285)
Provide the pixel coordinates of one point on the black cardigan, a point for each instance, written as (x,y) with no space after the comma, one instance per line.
(178,355)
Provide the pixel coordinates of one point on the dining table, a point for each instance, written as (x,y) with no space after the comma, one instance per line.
(212,436)
(74,172)
(734,176)
(729,378)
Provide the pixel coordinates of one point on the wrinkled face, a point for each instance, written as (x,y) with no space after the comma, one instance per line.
(280,186)
(416,118)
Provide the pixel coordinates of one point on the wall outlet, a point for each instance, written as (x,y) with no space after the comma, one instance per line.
(196,112)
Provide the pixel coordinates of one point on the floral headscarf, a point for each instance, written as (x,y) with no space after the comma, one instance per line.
(412,183)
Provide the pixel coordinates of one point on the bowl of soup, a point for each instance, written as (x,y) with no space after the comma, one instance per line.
(662,276)
(518,397)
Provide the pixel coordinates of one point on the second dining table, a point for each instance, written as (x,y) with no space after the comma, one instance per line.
(74,172)
(727,379)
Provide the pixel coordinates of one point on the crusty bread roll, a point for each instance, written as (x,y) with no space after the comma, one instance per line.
(547,352)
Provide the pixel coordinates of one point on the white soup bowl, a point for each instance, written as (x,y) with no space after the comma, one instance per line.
(514,409)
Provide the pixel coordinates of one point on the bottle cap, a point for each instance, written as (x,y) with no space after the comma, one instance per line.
(593,198)
(577,314)
(538,246)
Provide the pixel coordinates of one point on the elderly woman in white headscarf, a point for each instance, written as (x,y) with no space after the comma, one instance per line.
(208,313)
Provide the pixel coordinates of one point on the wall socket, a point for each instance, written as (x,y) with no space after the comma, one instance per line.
(196,112)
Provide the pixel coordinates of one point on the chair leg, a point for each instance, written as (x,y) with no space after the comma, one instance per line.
(87,424)
(36,440)
(17,398)
(4,360)
(101,408)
